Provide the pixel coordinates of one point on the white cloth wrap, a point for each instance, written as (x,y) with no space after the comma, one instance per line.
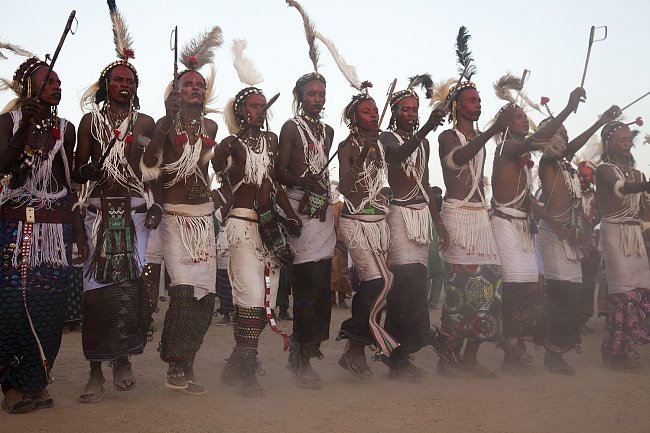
(554,256)
(470,234)
(92,223)
(410,228)
(365,235)
(154,248)
(624,272)
(518,259)
(248,259)
(201,274)
(318,238)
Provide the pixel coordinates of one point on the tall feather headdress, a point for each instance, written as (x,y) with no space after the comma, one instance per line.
(200,50)
(349,72)
(440,91)
(466,70)
(310,33)
(246,70)
(250,76)
(464,56)
(504,87)
(13,49)
(121,36)
(97,92)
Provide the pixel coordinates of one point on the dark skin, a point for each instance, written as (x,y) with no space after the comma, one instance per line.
(291,165)
(188,100)
(508,178)
(619,148)
(232,146)
(555,193)
(121,88)
(367,120)
(396,154)
(458,183)
(468,111)
(12,145)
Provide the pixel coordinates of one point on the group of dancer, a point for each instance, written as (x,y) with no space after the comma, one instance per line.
(129,192)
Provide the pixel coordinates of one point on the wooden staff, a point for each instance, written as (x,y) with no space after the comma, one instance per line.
(68,26)
(592,33)
(174,48)
(391,89)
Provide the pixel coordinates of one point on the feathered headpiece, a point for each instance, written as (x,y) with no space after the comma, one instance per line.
(505,85)
(439,92)
(249,75)
(13,49)
(464,61)
(466,69)
(314,55)
(350,74)
(97,92)
(200,50)
(21,83)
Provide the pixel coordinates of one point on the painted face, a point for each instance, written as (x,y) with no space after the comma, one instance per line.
(519,126)
(192,88)
(313,97)
(367,115)
(620,143)
(407,113)
(254,110)
(51,94)
(121,85)
(469,105)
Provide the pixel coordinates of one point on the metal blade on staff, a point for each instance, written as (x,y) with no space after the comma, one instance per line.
(592,39)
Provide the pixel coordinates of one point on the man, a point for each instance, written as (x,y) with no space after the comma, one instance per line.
(622,193)
(35,203)
(412,210)
(472,308)
(561,253)
(256,236)
(341,283)
(305,142)
(116,307)
(362,173)
(513,205)
(183,140)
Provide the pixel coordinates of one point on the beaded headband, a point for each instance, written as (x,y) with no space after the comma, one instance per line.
(24,73)
(352,106)
(609,130)
(400,95)
(456,90)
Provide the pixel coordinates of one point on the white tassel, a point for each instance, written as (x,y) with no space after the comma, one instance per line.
(195,236)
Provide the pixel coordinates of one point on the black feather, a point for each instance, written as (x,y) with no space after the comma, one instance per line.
(423,80)
(111,5)
(464,55)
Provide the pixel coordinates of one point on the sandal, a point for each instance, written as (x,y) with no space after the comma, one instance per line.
(93,391)
(556,364)
(42,399)
(122,374)
(15,402)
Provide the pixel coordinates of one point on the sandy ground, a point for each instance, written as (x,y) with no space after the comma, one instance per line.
(595,400)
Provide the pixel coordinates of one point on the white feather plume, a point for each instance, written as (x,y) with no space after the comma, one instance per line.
(246,70)
(14,49)
(349,71)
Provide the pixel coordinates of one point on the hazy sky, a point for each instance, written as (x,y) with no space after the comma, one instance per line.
(383,39)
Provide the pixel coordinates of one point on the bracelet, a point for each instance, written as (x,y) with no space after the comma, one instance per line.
(158,205)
